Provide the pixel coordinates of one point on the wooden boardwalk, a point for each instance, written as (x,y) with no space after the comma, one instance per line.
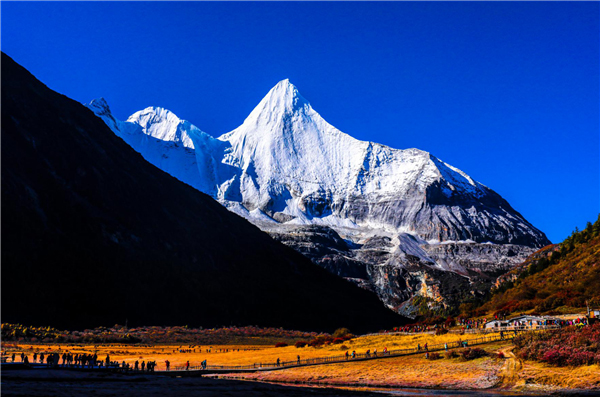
(197,370)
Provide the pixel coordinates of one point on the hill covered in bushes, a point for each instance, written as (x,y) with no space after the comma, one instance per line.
(557,279)
(569,346)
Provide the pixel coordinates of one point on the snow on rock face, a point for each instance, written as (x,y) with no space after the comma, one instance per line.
(288,162)
(173,145)
(296,166)
(399,222)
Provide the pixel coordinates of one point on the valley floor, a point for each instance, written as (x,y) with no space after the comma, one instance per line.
(486,374)
(490,374)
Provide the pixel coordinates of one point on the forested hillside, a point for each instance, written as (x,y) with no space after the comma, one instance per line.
(555,280)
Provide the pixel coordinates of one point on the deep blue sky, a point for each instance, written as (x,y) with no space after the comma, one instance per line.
(506,91)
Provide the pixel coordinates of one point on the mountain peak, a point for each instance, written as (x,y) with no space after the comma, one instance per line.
(99,106)
(283,98)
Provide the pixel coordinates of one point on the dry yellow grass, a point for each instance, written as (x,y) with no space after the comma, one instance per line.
(409,371)
(246,355)
(585,377)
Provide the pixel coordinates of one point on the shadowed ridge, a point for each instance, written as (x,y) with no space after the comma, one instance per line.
(94,235)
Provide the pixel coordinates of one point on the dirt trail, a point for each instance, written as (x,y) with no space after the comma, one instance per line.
(509,376)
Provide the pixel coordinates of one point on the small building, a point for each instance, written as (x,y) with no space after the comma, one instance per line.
(593,316)
(521,322)
(496,324)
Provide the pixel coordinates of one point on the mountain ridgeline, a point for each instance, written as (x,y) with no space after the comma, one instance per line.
(92,234)
(401,223)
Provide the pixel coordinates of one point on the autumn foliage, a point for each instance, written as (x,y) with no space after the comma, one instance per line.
(558,279)
(571,346)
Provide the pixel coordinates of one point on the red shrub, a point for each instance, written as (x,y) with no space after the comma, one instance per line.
(472,353)
(281,344)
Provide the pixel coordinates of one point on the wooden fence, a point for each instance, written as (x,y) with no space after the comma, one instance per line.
(344,358)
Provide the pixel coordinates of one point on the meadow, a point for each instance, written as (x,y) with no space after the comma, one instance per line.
(234,354)
(498,368)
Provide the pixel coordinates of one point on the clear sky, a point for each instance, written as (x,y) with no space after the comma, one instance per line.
(506,91)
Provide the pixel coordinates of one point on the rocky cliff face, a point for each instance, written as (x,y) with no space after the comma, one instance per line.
(402,223)
(399,269)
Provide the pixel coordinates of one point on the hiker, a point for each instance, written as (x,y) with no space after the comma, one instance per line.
(446,346)
(385,350)
(368,353)
(143,365)
(353,354)
(278,361)
(375,352)
(427,356)
(204,365)
(298,359)
(346,355)
(187,365)
(107,360)
(426,349)
(418,347)
(13,357)
(136,365)
(34,357)
(168,364)
(22,357)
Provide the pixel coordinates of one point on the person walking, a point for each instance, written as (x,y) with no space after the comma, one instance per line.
(346,355)
(298,359)
(168,364)
(187,365)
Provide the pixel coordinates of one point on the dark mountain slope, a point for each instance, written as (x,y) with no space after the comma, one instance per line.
(93,235)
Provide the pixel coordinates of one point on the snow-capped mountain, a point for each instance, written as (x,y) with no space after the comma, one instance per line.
(287,170)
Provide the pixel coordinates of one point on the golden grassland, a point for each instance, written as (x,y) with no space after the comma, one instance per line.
(407,371)
(417,371)
(247,354)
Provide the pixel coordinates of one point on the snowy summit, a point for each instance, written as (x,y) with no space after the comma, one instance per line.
(287,165)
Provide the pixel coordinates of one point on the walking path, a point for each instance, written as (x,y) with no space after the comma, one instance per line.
(257,367)
(510,371)
(197,370)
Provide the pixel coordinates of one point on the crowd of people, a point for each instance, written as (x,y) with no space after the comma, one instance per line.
(68,360)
